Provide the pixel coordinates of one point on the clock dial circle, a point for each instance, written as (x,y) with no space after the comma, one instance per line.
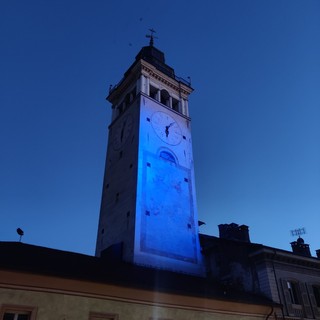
(122,131)
(166,128)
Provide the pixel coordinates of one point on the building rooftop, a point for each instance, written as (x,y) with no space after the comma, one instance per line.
(20,257)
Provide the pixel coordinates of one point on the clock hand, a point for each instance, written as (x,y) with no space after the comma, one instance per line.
(167,128)
(167,131)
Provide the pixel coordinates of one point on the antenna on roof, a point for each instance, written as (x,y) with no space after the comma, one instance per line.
(298,232)
(151,36)
(20,233)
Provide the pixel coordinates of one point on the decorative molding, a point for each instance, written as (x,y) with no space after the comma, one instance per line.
(153,72)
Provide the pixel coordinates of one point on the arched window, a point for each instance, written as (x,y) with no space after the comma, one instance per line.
(153,92)
(164,97)
(175,104)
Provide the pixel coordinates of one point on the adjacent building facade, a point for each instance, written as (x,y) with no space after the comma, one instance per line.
(291,279)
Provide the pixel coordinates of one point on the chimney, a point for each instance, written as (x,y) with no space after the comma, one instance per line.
(318,253)
(235,232)
(300,248)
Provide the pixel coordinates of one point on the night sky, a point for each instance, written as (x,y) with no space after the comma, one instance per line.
(255,68)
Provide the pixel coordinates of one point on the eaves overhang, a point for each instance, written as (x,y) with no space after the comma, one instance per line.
(273,254)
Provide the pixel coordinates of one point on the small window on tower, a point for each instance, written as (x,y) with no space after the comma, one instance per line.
(120,109)
(165,97)
(153,92)
(127,100)
(175,104)
(133,93)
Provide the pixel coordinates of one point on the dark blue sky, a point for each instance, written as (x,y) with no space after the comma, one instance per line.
(255,111)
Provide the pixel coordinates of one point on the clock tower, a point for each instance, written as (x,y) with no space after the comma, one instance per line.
(148,206)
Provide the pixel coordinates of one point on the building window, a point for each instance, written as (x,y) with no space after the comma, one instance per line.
(153,92)
(11,312)
(16,316)
(293,292)
(164,97)
(102,316)
(175,104)
(127,100)
(316,293)
(133,93)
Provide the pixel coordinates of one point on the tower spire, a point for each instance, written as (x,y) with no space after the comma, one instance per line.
(151,36)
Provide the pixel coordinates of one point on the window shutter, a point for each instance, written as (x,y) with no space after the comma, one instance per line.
(305,300)
(287,298)
(313,302)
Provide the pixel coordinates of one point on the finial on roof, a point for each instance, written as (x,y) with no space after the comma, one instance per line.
(151,36)
(20,233)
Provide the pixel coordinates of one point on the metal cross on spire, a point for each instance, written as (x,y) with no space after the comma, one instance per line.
(151,36)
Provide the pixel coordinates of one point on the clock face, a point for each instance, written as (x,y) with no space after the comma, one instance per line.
(166,128)
(122,131)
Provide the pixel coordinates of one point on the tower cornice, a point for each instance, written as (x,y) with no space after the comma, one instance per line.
(141,67)
(149,69)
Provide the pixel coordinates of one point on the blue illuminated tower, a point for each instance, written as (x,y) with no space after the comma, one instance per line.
(148,206)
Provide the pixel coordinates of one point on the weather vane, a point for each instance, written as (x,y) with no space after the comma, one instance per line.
(151,36)
(298,232)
